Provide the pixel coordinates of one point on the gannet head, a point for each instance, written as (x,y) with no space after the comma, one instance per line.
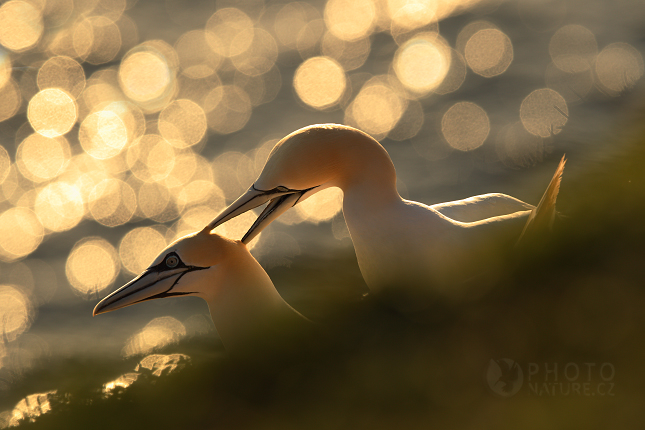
(196,265)
(306,162)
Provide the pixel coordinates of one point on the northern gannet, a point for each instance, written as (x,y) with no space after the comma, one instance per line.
(248,312)
(402,246)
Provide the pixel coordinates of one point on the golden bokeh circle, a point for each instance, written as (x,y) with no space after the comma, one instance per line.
(618,67)
(15,313)
(489,52)
(21,232)
(92,266)
(573,48)
(544,112)
(182,123)
(139,247)
(156,334)
(59,206)
(465,126)
(145,76)
(41,158)
(64,73)
(52,112)
(350,19)
(422,63)
(21,25)
(112,202)
(377,108)
(320,82)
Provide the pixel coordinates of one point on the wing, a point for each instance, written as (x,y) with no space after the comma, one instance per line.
(541,218)
(480,207)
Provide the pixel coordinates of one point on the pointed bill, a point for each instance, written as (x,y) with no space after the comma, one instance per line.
(247,201)
(149,285)
(274,209)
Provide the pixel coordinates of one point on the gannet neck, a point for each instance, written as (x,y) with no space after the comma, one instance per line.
(364,162)
(329,155)
(244,303)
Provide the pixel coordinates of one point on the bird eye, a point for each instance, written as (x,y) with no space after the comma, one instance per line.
(172,261)
(281,188)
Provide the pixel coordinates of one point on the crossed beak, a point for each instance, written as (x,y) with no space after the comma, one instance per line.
(151,284)
(280,199)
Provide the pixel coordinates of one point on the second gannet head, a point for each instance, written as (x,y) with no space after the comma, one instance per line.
(306,162)
(247,310)
(198,264)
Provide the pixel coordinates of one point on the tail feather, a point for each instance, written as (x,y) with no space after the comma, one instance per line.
(541,217)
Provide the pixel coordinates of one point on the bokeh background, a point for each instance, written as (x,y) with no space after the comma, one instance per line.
(126,124)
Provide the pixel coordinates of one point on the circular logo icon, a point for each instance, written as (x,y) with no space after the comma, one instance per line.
(504,377)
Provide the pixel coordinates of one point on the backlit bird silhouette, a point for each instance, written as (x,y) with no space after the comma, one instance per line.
(402,246)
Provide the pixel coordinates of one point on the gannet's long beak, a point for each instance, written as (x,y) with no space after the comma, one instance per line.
(151,284)
(281,198)
(247,201)
(274,209)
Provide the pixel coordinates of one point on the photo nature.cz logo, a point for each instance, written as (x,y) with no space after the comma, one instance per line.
(505,378)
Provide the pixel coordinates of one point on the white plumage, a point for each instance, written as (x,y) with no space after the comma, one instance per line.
(402,246)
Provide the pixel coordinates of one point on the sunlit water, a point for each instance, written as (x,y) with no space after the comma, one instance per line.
(125,125)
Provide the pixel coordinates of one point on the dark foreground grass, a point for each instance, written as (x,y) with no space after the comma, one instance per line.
(574,302)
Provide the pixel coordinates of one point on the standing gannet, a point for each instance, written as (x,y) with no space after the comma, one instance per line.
(248,312)
(401,246)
